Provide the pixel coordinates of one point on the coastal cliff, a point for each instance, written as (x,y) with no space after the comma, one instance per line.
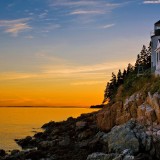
(125,130)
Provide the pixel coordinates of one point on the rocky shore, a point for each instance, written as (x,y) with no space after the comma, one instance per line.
(129,131)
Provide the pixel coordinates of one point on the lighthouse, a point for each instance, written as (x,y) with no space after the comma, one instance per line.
(155,49)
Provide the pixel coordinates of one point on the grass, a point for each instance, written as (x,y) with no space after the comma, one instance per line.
(133,84)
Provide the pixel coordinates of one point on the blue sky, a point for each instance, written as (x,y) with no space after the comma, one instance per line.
(75,42)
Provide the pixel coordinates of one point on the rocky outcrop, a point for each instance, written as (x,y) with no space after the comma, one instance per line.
(123,131)
(80,139)
(106,118)
(145,110)
(125,142)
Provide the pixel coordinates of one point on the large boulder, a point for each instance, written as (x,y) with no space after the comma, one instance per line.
(125,155)
(101,156)
(121,138)
(150,114)
(106,118)
(131,136)
(154,102)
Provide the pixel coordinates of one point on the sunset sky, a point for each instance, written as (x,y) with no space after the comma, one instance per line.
(62,52)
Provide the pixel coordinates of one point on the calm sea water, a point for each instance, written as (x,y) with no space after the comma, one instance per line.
(20,122)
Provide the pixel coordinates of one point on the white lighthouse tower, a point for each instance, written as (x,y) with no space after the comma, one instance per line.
(155,48)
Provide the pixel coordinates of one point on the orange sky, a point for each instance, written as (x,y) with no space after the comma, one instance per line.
(62,52)
(75,86)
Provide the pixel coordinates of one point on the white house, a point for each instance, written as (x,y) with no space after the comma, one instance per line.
(155,49)
(157,71)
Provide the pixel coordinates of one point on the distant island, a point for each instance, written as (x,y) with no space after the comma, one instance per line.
(97,106)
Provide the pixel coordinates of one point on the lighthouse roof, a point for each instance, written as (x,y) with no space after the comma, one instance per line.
(157,23)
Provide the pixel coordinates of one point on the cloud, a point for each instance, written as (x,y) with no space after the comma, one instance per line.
(87,83)
(152,2)
(84,3)
(85,13)
(43,15)
(82,12)
(65,70)
(73,3)
(71,69)
(17,75)
(29,37)
(107,26)
(83,7)
(14,27)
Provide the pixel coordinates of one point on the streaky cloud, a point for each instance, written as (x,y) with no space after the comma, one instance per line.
(82,12)
(107,26)
(14,27)
(152,2)
(87,83)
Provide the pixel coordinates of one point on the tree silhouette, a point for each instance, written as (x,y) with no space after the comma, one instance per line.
(128,75)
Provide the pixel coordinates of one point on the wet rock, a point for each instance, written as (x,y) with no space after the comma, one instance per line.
(81,125)
(142,156)
(38,135)
(85,134)
(35,155)
(121,138)
(46,144)
(15,151)
(158,133)
(65,142)
(101,156)
(2,153)
(49,125)
(24,142)
(76,139)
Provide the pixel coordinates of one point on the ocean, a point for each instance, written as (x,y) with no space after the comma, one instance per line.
(19,122)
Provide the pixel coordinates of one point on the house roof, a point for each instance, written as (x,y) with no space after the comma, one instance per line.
(157,23)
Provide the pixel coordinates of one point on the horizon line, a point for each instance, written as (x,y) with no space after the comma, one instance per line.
(44,107)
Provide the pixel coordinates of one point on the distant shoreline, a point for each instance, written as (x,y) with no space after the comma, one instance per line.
(44,107)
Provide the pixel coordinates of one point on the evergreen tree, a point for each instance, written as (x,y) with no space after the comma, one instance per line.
(144,58)
(124,74)
(113,80)
(119,78)
(107,95)
(110,89)
(128,76)
(138,62)
(130,69)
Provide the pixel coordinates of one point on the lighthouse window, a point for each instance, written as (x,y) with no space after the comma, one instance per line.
(157,27)
(159,55)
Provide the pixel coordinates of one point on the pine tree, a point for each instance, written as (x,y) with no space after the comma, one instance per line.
(110,89)
(130,69)
(144,58)
(124,74)
(107,95)
(128,76)
(119,78)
